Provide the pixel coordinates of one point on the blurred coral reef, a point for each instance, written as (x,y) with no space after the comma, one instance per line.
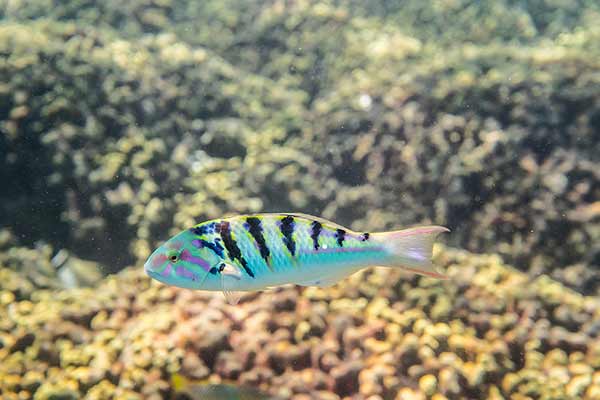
(489,332)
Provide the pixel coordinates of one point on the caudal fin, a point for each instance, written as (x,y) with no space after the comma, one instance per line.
(411,249)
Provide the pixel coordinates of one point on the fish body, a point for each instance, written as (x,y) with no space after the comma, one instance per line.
(254,252)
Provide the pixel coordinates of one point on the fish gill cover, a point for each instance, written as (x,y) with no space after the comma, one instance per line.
(124,122)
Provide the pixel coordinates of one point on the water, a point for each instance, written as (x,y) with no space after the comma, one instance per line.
(122,123)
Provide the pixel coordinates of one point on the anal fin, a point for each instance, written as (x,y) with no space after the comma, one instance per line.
(326,280)
(230,276)
(233,297)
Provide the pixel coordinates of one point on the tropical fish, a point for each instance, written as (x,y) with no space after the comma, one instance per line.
(255,252)
(188,389)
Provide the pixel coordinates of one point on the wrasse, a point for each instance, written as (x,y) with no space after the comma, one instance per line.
(255,252)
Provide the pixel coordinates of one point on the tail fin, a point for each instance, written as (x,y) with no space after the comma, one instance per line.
(411,249)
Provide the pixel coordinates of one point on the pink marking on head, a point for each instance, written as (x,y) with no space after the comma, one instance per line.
(185,273)
(158,260)
(167,271)
(187,256)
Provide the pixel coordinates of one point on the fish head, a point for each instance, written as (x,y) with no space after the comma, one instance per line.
(183,261)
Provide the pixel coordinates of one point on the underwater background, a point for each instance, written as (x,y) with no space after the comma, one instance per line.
(124,122)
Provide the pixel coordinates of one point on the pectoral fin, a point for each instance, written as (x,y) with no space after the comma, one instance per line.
(230,276)
(232,297)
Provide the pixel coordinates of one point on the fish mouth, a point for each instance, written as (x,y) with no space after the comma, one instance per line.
(148,270)
(155,276)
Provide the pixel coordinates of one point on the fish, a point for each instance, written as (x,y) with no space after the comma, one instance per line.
(221,392)
(189,390)
(253,252)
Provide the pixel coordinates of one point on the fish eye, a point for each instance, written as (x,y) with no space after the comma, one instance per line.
(173,256)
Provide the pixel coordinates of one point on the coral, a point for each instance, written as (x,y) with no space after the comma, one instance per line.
(121,125)
(378,334)
(24,269)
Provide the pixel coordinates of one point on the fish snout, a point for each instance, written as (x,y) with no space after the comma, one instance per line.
(155,264)
(147,267)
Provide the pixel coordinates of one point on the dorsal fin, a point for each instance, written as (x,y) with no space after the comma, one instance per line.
(323,221)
